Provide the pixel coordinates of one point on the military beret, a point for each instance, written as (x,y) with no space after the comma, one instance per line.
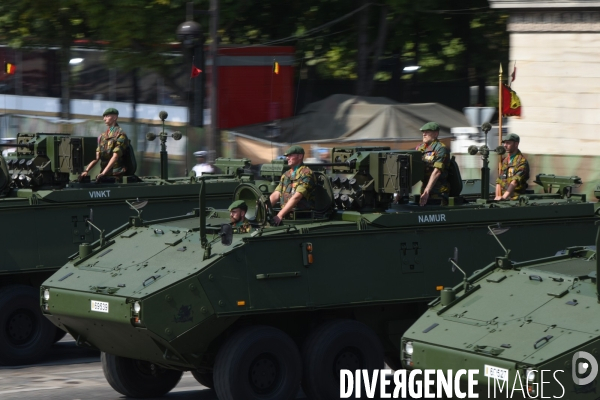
(511,136)
(238,204)
(200,153)
(111,110)
(430,126)
(294,150)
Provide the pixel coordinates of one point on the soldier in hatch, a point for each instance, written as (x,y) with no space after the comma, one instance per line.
(112,145)
(295,189)
(201,165)
(237,216)
(512,181)
(436,156)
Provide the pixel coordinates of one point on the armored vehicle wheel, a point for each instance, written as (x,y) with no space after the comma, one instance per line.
(204,378)
(135,378)
(59,335)
(336,345)
(25,334)
(258,362)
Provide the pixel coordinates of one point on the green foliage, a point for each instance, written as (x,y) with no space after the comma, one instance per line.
(458,40)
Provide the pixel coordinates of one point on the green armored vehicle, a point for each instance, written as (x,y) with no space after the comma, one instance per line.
(44,209)
(255,314)
(529,328)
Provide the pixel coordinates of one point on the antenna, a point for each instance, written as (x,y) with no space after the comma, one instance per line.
(498,230)
(455,266)
(137,205)
(102,239)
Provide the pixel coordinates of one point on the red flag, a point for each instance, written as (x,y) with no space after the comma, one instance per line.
(511,104)
(9,68)
(195,71)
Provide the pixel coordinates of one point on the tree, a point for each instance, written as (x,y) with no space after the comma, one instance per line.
(460,40)
(23,23)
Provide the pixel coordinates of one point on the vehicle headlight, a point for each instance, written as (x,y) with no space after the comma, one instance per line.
(408,348)
(137,307)
(46,295)
(530,373)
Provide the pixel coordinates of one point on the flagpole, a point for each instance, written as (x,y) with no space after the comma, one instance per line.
(500,106)
(499,123)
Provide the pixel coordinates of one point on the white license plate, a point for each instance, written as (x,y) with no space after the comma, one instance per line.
(99,306)
(496,373)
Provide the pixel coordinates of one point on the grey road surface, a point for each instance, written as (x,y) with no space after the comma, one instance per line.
(69,372)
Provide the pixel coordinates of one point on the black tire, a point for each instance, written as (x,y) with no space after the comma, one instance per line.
(204,378)
(59,335)
(258,362)
(336,345)
(135,378)
(25,334)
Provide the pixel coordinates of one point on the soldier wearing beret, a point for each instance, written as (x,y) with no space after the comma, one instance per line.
(112,144)
(237,216)
(295,189)
(514,174)
(436,156)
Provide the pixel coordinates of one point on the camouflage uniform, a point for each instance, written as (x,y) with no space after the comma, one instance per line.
(436,155)
(113,140)
(242,226)
(301,180)
(514,168)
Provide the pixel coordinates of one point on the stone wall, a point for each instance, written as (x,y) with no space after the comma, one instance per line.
(558,81)
(556,47)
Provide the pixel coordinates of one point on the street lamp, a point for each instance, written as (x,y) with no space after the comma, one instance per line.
(192,39)
(410,68)
(190,34)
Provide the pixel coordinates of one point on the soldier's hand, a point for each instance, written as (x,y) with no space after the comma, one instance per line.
(83,175)
(276,220)
(424,198)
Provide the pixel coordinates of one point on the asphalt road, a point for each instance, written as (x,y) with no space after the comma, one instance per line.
(69,372)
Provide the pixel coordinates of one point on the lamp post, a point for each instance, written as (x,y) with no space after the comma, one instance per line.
(410,67)
(190,34)
(192,40)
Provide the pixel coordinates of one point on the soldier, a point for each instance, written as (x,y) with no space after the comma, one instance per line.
(295,188)
(201,165)
(237,215)
(512,181)
(112,145)
(436,156)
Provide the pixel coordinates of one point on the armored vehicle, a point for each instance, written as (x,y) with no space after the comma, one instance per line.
(529,328)
(255,314)
(44,209)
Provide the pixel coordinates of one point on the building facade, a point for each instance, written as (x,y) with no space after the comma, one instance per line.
(556,47)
